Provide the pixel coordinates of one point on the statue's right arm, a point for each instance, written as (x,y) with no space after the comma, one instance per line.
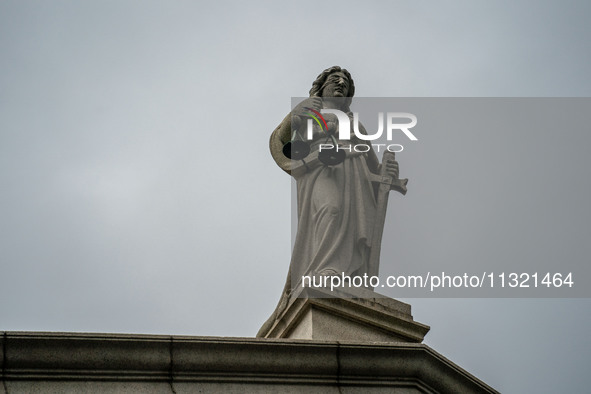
(280,136)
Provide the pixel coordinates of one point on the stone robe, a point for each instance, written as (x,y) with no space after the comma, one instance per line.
(336,210)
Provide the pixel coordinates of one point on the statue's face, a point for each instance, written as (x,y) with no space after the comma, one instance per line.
(336,85)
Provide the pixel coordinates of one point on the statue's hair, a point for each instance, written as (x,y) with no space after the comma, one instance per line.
(318,84)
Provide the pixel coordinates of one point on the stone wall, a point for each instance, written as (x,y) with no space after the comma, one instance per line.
(115,363)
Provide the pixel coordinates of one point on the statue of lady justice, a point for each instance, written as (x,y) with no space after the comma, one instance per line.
(336,203)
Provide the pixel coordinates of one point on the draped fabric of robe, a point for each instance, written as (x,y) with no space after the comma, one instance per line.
(336,210)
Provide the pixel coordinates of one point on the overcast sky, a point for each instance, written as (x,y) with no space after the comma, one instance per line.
(139,195)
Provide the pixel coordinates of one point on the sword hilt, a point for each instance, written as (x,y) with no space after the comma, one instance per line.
(385,179)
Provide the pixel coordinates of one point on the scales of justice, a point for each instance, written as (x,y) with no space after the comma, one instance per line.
(342,197)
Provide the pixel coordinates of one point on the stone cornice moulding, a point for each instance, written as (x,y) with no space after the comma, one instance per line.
(175,359)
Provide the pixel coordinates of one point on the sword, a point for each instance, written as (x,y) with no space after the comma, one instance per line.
(385,183)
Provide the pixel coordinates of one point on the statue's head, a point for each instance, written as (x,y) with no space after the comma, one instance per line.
(334,82)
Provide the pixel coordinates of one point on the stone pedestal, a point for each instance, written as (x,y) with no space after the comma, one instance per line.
(362,316)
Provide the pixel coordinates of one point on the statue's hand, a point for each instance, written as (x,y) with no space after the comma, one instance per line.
(391,168)
(313,102)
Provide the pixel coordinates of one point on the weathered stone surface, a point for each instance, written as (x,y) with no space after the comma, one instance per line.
(101,363)
(341,203)
(320,314)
